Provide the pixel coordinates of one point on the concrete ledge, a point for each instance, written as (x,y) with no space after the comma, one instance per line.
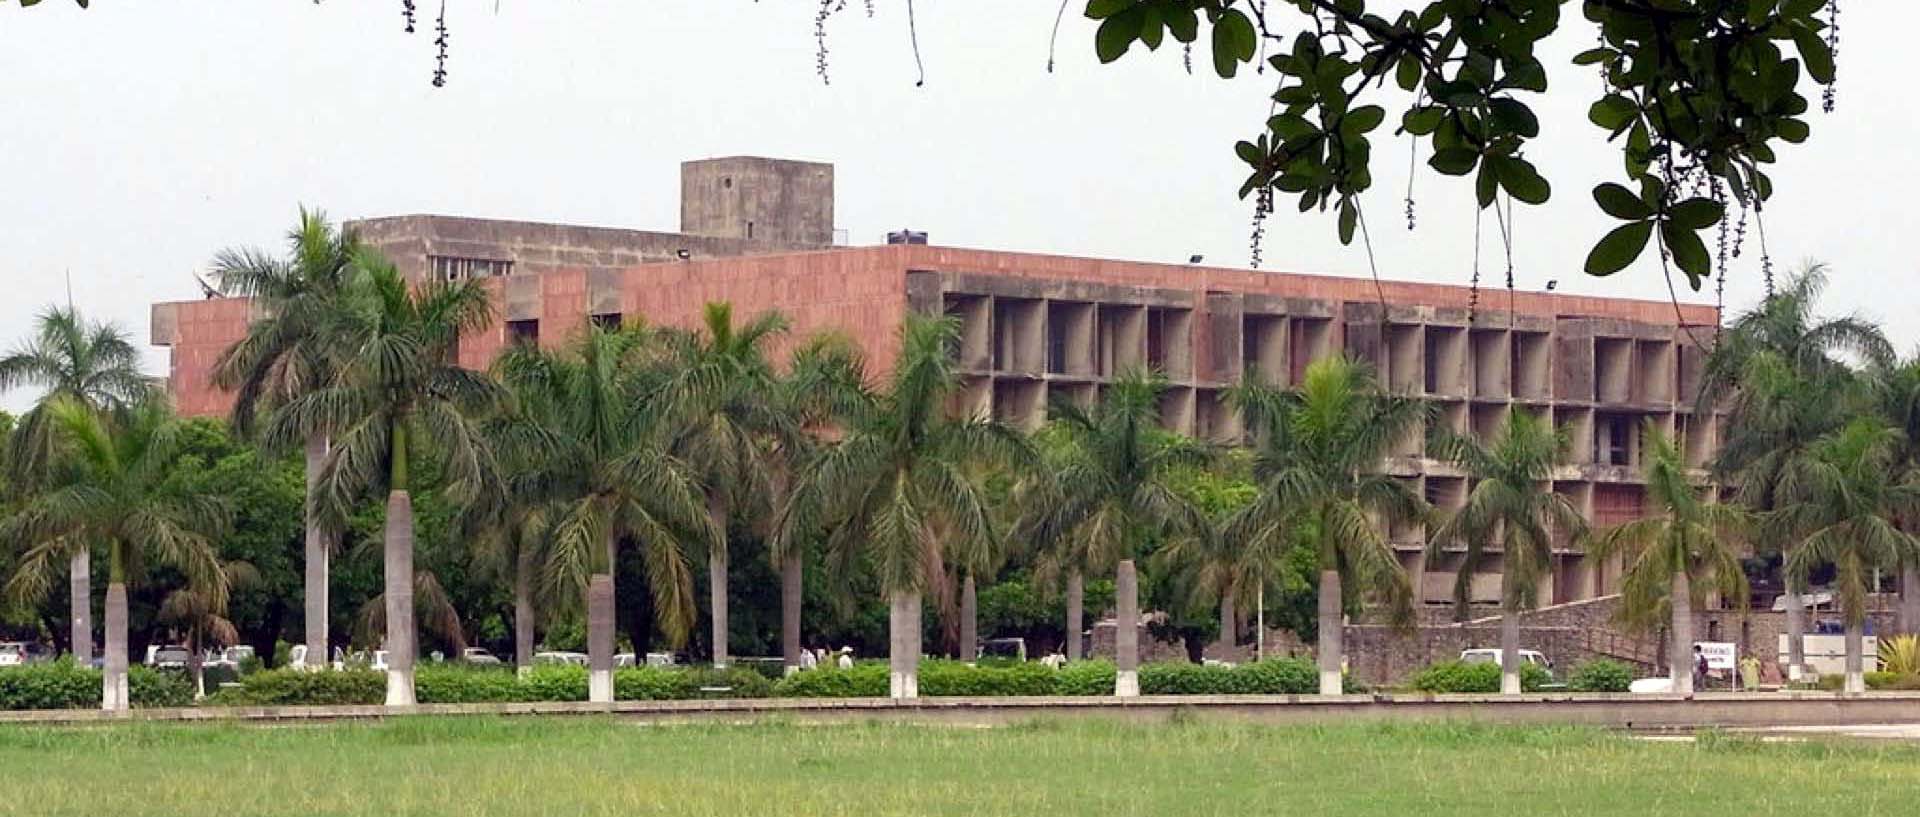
(1647,712)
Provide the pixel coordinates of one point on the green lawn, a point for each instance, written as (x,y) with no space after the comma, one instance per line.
(592,767)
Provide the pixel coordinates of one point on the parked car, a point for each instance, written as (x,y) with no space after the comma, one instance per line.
(578,659)
(172,656)
(623,659)
(1493,656)
(480,656)
(1009,649)
(13,653)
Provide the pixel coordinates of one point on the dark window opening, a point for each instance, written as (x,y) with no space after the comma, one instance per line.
(1611,441)
(607,320)
(749,229)
(527,331)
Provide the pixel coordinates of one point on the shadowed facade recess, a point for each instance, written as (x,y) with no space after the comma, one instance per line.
(758,233)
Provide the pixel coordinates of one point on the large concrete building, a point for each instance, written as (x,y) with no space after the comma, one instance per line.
(758,233)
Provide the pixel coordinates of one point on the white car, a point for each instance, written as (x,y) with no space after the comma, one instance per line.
(560,657)
(479,655)
(12,653)
(1651,686)
(1494,656)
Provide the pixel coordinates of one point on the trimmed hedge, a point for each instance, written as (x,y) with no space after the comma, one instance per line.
(1483,677)
(454,684)
(63,685)
(858,681)
(1279,676)
(1875,680)
(1085,678)
(1600,675)
(953,679)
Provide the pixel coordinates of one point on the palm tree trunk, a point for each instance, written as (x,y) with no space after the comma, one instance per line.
(523,612)
(1510,650)
(399,596)
(80,606)
(317,553)
(600,638)
(1229,621)
(1796,632)
(113,681)
(1076,613)
(196,664)
(1856,663)
(717,577)
(969,648)
(1330,630)
(903,652)
(791,592)
(1910,598)
(1680,646)
(1126,632)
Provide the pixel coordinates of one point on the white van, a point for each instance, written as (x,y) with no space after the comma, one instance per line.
(1493,656)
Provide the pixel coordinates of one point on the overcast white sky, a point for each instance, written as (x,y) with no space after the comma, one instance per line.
(136,139)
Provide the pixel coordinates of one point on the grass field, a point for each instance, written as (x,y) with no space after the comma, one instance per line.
(594,767)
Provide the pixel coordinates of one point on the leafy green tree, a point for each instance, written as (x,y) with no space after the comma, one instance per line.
(1691,544)
(94,364)
(1110,493)
(1317,454)
(1213,571)
(1896,391)
(895,491)
(109,492)
(1840,502)
(397,394)
(1784,366)
(1512,507)
(201,614)
(727,423)
(291,350)
(587,435)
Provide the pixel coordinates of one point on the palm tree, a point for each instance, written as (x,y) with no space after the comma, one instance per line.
(92,363)
(895,489)
(1781,364)
(727,423)
(1109,495)
(585,434)
(396,393)
(288,352)
(1690,544)
(108,493)
(1841,502)
(825,392)
(203,617)
(1896,390)
(1512,507)
(1317,457)
(513,542)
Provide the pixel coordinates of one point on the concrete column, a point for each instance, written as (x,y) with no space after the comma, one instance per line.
(1126,635)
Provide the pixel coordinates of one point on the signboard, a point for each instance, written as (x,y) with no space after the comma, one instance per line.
(1720,655)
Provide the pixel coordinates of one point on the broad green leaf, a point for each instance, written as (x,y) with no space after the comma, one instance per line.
(1249,152)
(1697,213)
(1349,215)
(1234,42)
(1613,112)
(1594,55)
(1116,35)
(1422,121)
(1792,130)
(1620,202)
(1619,248)
(1363,119)
(1454,161)
(1184,23)
(1102,9)
(1516,116)
(1688,251)
(1486,183)
(1815,53)
(1522,181)
(1407,73)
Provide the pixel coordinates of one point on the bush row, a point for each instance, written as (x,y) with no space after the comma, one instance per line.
(461,685)
(1875,680)
(65,685)
(1601,675)
(1285,676)
(1483,677)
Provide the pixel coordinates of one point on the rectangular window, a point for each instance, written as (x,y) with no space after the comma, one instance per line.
(607,320)
(523,331)
(450,268)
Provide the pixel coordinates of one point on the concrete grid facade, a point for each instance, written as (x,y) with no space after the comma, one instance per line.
(1038,327)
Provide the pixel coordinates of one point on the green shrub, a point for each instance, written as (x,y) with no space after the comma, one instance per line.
(1875,680)
(1600,675)
(652,684)
(288,687)
(1284,676)
(707,682)
(64,685)
(1279,676)
(952,679)
(1182,678)
(1082,678)
(454,684)
(555,682)
(860,681)
(153,688)
(1460,676)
